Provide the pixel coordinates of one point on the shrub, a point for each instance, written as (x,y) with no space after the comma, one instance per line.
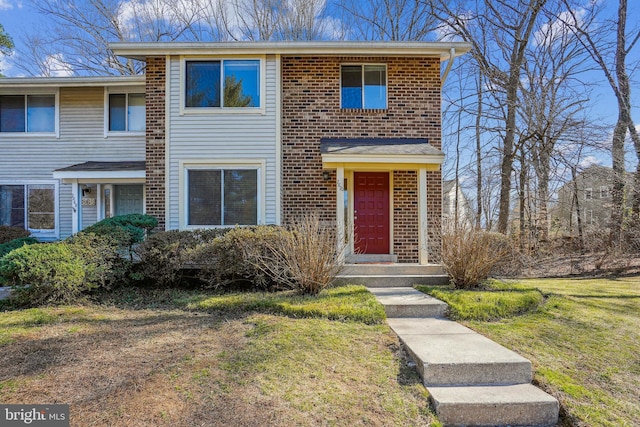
(163,256)
(306,258)
(58,273)
(231,258)
(7,247)
(469,255)
(104,267)
(8,233)
(125,230)
(43,274)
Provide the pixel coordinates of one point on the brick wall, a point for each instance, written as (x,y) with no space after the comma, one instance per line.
(311,111)
(155,139)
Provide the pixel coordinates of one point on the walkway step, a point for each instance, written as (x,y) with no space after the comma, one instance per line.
(472,380)
(409,303)
(386,281)
(447,354)
(522,405)
(375,269)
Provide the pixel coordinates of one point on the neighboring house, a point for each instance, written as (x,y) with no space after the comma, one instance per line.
(72,151)
(243,133)
(590,195)
(451,216)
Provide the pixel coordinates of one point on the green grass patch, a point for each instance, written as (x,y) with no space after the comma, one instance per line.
(495,301)
(346,303)
(584,342)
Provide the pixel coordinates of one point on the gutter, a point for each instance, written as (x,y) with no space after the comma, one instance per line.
(452,57)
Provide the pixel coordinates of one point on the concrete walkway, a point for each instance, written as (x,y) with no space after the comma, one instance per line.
(472,380)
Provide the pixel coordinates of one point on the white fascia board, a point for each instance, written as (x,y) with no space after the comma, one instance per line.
(102,175)
(72,81)
(381,159)
(325,48)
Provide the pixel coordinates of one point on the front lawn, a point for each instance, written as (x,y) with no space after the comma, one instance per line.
(180,358)
(584,341)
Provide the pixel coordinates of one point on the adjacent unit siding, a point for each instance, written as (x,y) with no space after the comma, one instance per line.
(81,139)
(311,111)
(223,137)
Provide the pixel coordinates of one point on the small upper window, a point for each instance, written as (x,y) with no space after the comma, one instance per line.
(27,113)
(364,86)
(588,194)
(127,112)
(604,192)
(222,84)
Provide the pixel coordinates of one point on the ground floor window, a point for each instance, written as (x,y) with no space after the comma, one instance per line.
(31,206)
(222,196)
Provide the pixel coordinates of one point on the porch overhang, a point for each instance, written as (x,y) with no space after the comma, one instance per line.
(380,154)
(103,172)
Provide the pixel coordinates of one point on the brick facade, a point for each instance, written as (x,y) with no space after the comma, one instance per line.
(311,110)
(155,139)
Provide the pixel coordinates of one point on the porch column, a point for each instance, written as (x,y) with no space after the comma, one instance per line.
(340,225)
(76,205)
(423,236)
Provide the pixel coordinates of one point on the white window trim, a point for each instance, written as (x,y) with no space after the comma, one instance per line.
(604,189)
(588,193)
(55,233)
(120,91)
(222,110)
(220,164)
(386,84)
(25,134)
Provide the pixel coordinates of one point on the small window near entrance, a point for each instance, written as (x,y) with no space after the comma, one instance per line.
(127,112)
(30,206)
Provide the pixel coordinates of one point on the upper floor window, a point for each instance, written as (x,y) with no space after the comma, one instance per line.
(27,113)
(588,194)
(604,192)
(364,86)
(222,83)
(127,112)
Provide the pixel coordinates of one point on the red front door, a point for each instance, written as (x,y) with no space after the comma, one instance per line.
(371,213)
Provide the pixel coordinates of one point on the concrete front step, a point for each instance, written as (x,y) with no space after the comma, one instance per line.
(447,354)
(408,303)
(376,269)
(510,405)
(390,281)
(377,275)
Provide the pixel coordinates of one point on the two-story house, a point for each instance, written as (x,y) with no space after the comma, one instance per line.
(590,196)
(240,133)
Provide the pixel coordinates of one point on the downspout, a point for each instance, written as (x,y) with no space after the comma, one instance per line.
(452,55)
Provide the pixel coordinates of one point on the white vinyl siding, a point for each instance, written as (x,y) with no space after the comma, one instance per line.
(81,139)
(224,137)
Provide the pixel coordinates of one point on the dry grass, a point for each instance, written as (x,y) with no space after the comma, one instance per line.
(170,367)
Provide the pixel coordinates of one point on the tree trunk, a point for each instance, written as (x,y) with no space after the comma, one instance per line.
(479,155)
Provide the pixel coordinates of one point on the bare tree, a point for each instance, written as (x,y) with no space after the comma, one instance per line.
(499,31)
(611,57)
(388,19)
(552,104)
